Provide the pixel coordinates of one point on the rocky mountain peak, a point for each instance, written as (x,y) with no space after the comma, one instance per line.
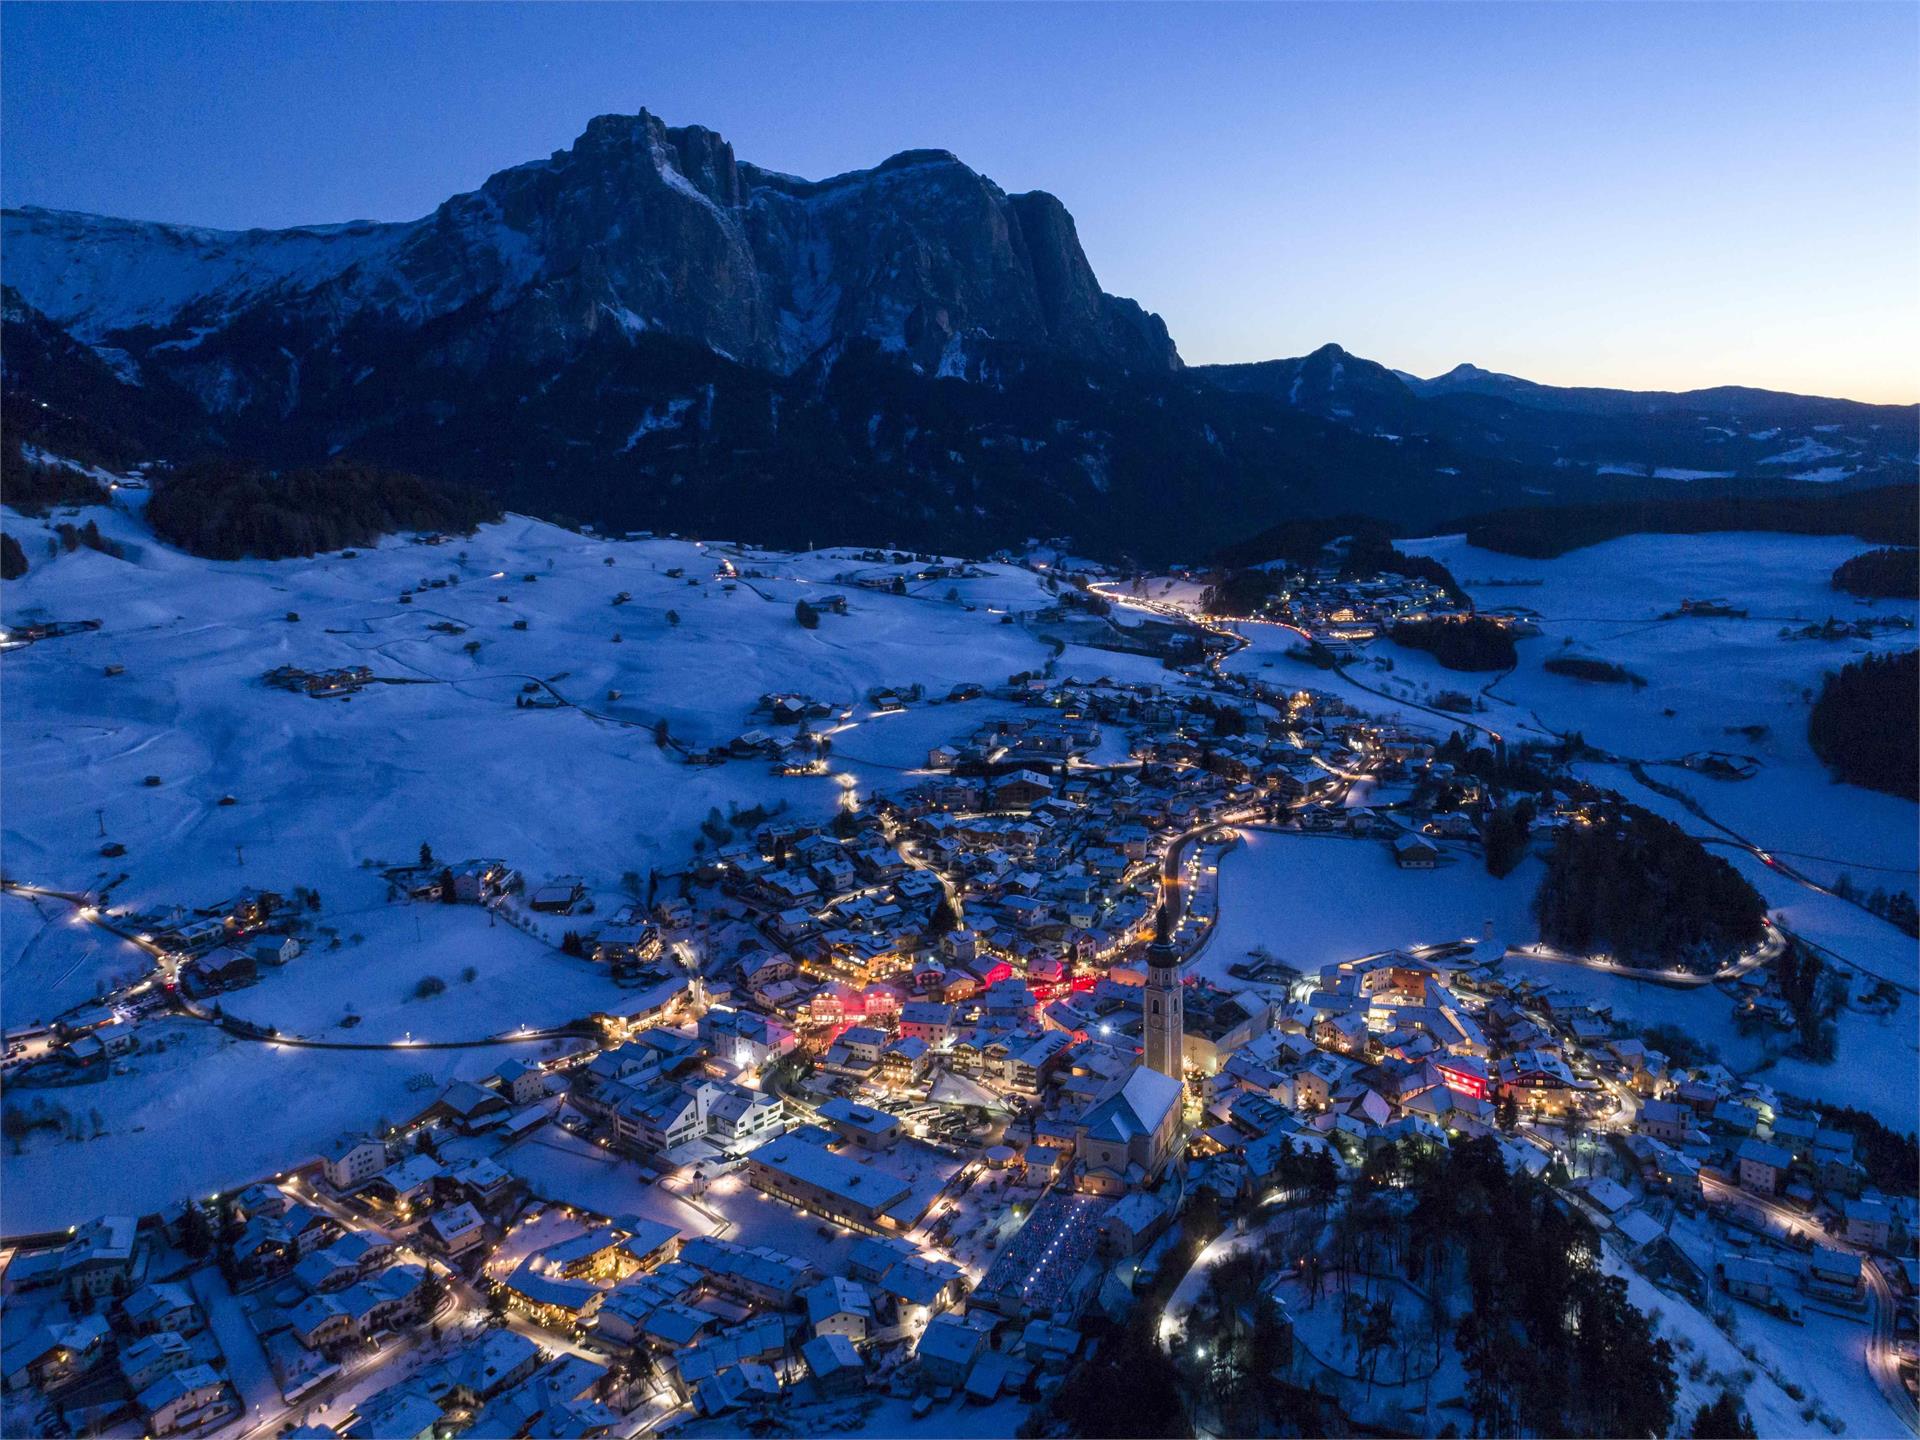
(639,226)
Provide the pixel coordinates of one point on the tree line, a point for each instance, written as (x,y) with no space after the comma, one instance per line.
(1637,886)
(223,511)
(1886,574)
(34,487)
(1887,514)
(1586,667)
(1864,722)
(1469,642)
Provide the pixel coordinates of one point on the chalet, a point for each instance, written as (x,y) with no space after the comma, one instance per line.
(184,1400)
(1410,852)
(494,1361)
(52,1356)
(166,1306)
(1540,1080)
(905,1060)
(1029,1067)
(147,1359)
(558,1399)
(411,1182)
(1763,1167)
(274,949)
(1833,1161)
(1665,1121)
(454,1230)
(947,1349)
(1869,1224)
(836,1367)
(627,947)
(1761,1283)
(100,1258)
(1835,1274)
(558,897)
(467,1107)
(223,968)
(1020,790)
(838,1306)
(402,1411)
(362,1251)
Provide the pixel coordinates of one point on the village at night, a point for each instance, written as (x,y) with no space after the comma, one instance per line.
(679,800)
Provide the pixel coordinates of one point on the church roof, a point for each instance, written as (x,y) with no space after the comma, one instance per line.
(1139,1107)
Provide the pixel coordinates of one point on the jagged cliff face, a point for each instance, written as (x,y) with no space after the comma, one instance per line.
(641,330)
(638,228)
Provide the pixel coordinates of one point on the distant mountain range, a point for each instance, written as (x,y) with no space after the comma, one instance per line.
(1725,433)
(642,331)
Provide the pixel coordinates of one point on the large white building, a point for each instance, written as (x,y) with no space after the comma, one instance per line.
(356,1163)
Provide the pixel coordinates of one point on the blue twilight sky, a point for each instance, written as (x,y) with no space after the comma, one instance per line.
(1636,195)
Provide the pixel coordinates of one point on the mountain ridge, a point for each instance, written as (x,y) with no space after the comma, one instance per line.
(642,329)
(769,267)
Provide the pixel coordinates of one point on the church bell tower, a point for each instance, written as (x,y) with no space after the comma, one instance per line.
(1164,1021)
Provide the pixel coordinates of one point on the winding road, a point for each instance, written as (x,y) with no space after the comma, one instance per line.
(1882,1356)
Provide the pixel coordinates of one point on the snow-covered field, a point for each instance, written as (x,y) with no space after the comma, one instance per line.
(1717,676)
(324,791)
(321,786)
(1708,679)
(1313,900)
(50,961)
(209,1112)
(388,950)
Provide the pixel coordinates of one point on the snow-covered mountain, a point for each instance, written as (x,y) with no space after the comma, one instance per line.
(643,330)
(1728,433)
(637,227)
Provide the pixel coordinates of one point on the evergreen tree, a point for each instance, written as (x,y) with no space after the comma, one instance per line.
(1722,1419)
(945,917)
(1505,837)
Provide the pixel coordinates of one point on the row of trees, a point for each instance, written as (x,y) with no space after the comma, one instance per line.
(1864,722)
(1888,514)
(1471,642)
(1550,1343)
(1896,907)
(1504,836)
(1813,994)
(224,511)
(1640,887)
(34,487)
(1886,574)
(1586,667)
